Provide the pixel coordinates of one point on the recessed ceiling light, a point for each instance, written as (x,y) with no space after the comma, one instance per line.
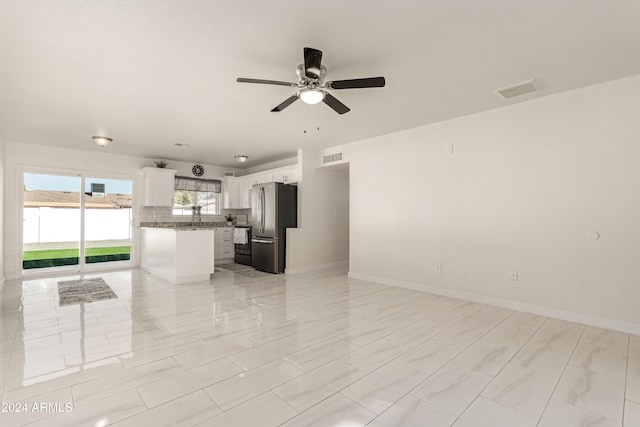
(241,158)
(101,140)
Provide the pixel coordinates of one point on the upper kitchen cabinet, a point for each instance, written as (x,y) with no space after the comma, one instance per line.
(230,192)
(158,186)
(286,175)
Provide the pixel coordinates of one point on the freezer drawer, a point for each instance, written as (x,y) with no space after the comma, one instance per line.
(265,255)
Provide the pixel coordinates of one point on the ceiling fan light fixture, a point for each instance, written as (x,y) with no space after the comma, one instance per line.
(311,96)
(241,158)
(102,141)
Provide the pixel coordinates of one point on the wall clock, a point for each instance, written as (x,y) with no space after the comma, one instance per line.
(197,170)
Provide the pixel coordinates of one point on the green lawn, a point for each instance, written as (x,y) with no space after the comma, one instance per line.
(73,253)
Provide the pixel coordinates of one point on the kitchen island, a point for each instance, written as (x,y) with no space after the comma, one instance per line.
(177,254)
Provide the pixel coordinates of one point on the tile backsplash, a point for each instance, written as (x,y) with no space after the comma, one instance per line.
(164,214)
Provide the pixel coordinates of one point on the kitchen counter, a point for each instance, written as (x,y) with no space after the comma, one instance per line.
(205,225)
(178,255)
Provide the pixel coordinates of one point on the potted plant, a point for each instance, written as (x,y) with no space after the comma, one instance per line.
(160,163)
(229,219)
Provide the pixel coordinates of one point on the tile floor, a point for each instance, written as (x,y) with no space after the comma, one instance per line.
(313,349)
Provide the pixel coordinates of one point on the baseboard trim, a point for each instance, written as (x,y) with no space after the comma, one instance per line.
(571,316)
(316,267)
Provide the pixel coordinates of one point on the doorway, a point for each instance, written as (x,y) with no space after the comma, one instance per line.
(76,222)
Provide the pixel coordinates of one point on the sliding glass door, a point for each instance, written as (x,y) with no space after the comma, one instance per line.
(107,220)
(71,221)
(51,218)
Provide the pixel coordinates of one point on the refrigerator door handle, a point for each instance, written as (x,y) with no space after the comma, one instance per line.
(262,241)
(264,202)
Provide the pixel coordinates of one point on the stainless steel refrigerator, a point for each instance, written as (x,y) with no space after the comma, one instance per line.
(273,210)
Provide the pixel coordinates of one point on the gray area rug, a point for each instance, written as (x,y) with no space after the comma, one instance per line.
(235,267)
(253,273)
(244,270)
(83,291)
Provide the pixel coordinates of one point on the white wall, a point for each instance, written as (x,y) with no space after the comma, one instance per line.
(524,186)
(2,214)
(322,239)
(100,162)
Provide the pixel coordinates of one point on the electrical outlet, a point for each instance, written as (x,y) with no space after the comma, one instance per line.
(438,267)
(513,274)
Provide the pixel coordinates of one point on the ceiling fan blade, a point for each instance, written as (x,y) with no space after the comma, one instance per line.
(357,83)
(312,62)
(266,82)
(285,103)
(336,105)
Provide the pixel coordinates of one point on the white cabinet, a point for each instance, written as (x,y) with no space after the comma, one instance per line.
(158,186)
(223,244)
(286,175)
(237,190)
(260,177)
(237,193)
(230,193)
(179,256)
(244,193)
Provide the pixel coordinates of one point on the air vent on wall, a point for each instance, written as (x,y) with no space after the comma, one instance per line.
(333,158)
(228,173)
(517,89)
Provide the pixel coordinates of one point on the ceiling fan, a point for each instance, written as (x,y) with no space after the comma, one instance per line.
(313,88)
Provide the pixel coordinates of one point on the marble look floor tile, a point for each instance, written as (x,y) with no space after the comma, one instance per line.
(460,334)
(631,414)
(247,385)
(591,391)
(543,358)
(611,362)
(633,384)
(320,354)
(182,383)
(634,350)
(617,342)
(430,356)
(454,313)
(384,386)
(367,333)
(559,333)
(561,414)
(99,388)
(416,332)
(487,317)
(486,357)
(266,410)
(105,412)
(264,353)
(212,351)
(485,413)
(337,410)
(20,390)
(413,412)
(185,411)
(452,388)
(515,330)
(522,390)
(376,354)
(306,390)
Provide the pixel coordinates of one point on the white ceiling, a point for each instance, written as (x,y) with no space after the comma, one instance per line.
(153,73)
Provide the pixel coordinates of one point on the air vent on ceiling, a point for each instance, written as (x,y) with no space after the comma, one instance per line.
(333,158)
(517,89)
(97,190)
(228,173)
